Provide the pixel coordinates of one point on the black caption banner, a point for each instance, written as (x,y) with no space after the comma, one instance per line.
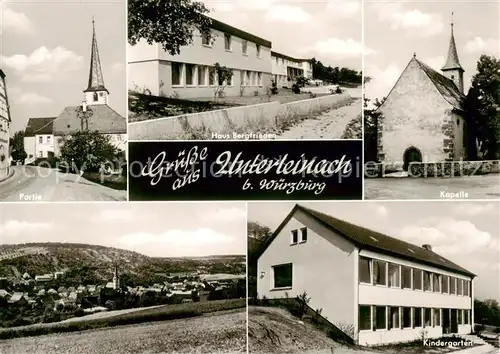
(245,170)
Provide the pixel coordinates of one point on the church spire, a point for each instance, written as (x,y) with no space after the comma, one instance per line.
(96,92)
(452,62)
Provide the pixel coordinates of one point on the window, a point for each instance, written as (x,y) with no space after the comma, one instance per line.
(460,287)
(242,77)
(244,47)
(40,154)
(427,317)
(364,270)
(40,139)
(458,121)
(427,281)
(202,75)
(205,39)
(295,237)
(394,317)
(459,316)
(467,317)
(190,74)
(259,78)
(466,288)
(406,317)
(394,275)
(258,50)
(95,98)
(230,81)
(437,317)
(48,138)
(304,234)
(176,74)
(453,288)
(417,279)
(282,275)
(379,272)
(445,284)
(211,76)
(227,41)
(380,320)
(436,280)
(282,61)
(365,318)
(406,277)
(417,317)
(277,63)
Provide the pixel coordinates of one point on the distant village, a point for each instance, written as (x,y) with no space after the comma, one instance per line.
(41,298)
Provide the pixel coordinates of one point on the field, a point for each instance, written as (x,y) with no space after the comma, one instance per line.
(168,312)
(222,332)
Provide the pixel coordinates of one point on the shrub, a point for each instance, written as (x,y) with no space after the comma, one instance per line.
(295,88)
(338,90)
(274,88)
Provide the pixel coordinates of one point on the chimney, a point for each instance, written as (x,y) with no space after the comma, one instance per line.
(427,247)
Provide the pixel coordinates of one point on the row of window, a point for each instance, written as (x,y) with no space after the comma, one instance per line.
(201,75)
(376,272)
(48,139)
(206,41)
(374,318)
(295,236)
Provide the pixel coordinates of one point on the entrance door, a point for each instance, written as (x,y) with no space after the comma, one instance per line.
(454,321)
(446,321)
(411,154)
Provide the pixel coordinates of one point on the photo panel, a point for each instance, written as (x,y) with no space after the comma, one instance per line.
(244,70)
(175,282)
(344,276)
(63,101)
(431,122)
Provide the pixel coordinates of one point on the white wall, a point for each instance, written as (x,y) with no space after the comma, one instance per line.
(33,147)
(323,267)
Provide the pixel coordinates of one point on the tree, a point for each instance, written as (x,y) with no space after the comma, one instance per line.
(224,75)
(86,150)
(370,128)
(482,109)
(17,144)
(170,23)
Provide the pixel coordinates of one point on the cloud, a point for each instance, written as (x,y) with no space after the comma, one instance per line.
(339,48)
(15,227)
(32,98)
(414,22)
(43,65)
(177,239)
(436,62)
(448,236)
(287,14)
(225,215)
(479,45)
(16,22)
(338,9)
(382,80)
(475,208)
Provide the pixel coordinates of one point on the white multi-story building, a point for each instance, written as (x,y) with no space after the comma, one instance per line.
(285,69)
(38,139)
(4,128)
(375,288)
(191,74)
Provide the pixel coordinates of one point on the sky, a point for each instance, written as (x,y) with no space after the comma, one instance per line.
(153,229)
(393,31)
(45,53)
(329,30)
(466,233)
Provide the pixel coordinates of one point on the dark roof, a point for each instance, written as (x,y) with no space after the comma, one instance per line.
(39,126)
(445,86)
(2,74)
(283,56)
(452,62)
(103,119)
(362,238)
(223,27)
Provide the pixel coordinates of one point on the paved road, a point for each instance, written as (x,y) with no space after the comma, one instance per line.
(31,183)
(476,187)
(214,333)
(328,125)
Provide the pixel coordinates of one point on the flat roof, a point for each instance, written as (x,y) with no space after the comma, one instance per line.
(224,27)
(283,56)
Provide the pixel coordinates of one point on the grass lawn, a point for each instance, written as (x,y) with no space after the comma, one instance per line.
(164,313)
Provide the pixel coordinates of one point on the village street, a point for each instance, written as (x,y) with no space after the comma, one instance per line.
(328,125)
(30,183)
(473,187)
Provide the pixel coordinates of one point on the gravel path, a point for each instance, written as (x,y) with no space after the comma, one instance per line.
(328,125)
(215,333)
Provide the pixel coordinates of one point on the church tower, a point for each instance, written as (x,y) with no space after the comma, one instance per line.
(96,93)
(452,68)
(116,280)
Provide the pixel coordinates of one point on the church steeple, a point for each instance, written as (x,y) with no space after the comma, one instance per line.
(452,68)
(96,92)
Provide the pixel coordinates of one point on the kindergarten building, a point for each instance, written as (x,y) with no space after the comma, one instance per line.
(191,74)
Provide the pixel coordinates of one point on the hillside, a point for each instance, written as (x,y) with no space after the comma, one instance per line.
(94,263)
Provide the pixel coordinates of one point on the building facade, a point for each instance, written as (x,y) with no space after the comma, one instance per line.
(191,73)
(5,122)
(375,288)
(39,139)
(422,118)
